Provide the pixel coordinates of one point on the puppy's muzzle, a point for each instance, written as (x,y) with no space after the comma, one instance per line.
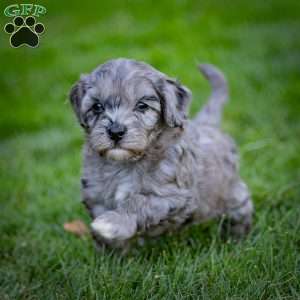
(116,131)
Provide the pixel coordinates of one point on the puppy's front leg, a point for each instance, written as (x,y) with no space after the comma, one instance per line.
(138,213)
(153,209)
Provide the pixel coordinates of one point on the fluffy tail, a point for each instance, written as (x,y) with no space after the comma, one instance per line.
(212,111)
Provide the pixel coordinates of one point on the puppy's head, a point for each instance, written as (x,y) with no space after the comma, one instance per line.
(125,106)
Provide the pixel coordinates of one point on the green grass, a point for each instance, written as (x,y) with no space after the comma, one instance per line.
(257,45)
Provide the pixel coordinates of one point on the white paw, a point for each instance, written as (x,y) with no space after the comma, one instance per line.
(105,229)
(113,226)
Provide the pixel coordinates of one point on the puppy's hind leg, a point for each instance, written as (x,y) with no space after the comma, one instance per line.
(239,212)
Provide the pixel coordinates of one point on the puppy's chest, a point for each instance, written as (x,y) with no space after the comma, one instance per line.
(112,187)
(108,186)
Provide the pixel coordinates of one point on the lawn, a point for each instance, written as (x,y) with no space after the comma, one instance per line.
(257,45)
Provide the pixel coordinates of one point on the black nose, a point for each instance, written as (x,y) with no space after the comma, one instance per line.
(116,131)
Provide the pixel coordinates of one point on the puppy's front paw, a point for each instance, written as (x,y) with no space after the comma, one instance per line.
(104,228)
(113,226)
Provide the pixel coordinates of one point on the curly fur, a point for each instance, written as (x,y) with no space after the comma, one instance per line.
(166,171)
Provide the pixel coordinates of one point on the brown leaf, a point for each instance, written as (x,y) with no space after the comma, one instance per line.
(76,227)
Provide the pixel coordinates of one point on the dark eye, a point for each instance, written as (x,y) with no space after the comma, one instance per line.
(141,106)
(97,108)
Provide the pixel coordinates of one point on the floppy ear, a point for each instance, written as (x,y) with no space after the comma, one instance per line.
(175,99)
(77,92)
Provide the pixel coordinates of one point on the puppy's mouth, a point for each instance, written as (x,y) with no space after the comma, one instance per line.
(122,154)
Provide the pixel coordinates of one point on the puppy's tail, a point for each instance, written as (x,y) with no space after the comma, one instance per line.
(212,112)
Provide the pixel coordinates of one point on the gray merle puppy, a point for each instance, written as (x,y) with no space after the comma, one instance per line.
(147,169)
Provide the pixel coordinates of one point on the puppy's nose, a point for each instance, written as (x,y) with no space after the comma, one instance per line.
(116,131)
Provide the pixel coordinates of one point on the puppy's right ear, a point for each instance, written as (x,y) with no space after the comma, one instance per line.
(77,92)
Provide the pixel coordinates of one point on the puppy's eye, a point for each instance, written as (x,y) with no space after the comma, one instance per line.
(97,108)
(141,106)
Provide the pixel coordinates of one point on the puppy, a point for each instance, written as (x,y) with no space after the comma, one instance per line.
(147,169)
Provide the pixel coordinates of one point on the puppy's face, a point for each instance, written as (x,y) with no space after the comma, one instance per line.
(125,105)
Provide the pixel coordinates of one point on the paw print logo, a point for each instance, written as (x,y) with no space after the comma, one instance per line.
(24,32)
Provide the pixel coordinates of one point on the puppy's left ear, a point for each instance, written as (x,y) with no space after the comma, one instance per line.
(175,99)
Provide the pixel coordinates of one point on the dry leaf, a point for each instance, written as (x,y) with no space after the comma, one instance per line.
(76,227)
